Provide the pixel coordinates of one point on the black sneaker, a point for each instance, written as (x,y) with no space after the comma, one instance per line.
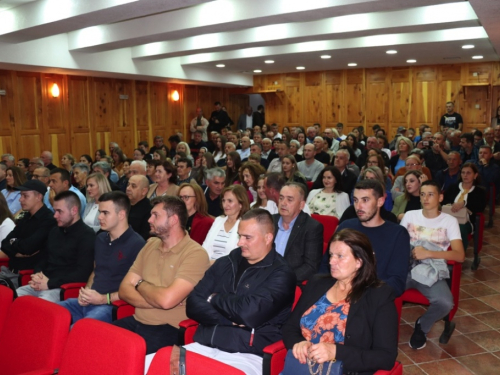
(418,339)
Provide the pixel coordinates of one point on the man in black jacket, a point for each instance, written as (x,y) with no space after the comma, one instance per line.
(140,210)
(70,254)
(245,297)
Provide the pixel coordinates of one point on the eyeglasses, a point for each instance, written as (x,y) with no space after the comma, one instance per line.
(412,165)
(186,197)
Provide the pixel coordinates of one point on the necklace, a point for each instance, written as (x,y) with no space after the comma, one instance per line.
(319,369)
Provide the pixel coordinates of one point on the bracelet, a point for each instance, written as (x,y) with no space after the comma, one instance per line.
(138,283)
(109,299)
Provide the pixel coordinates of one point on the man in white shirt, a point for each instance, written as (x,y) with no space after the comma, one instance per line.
(245,148)
(277,134)
(246,119)
(310,167)
(282,149)
(199,123)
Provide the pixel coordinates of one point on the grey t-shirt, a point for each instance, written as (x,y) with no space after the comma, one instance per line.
(312,171)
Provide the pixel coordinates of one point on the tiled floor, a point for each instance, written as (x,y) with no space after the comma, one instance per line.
(474,347)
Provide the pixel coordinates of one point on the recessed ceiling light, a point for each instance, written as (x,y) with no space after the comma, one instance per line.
(477,57)
(220,65)
(326,57)
(352,64)
(391,52)
(269,61)
(257,71)
(468,46)
(301,67)
(411,61)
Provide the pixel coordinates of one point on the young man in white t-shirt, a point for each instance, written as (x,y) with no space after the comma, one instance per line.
(442,230)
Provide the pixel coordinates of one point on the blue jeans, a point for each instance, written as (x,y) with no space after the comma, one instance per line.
(97,312)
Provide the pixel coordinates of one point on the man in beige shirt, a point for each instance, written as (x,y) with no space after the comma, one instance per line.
(164,273)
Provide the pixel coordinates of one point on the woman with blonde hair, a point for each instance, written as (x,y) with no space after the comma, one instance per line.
(199,221)
(67,162)
(97,185)
(403,148)
(291,171)
(184,147)
(223,236)
(410,200)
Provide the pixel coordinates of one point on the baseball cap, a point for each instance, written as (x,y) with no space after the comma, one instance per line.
(401,129)
(33,185)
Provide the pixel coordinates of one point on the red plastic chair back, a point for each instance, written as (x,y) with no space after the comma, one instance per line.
(33,336)
(6,297)
(309,185)
(330,224)
(95,347)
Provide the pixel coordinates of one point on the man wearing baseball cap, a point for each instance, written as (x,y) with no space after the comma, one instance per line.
(27,243)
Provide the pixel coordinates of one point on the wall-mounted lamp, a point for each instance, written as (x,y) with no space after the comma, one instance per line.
(175,96)
(55,90)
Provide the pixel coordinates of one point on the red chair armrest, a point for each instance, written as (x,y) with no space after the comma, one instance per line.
(396,370)
(71,290)
(274,358)
(25,277)
(274,348)
(187,329)
(122,309)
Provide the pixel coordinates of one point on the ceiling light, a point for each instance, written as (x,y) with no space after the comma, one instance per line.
(257,71)
(220,65)
(352,64)
(269,61)
(326,57)
(468,46)
(301,67)
(391,52)
(411,61)
(477,57)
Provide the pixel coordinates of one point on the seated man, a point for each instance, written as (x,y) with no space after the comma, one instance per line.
(298,237)
(390,242)
(140,210)
(116,248)
(70,252)
(432,232)
(27,243)
(164,273)
(245,297)
(60,180)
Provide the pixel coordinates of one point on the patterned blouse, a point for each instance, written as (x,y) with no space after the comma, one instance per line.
(324,204)
(325,321)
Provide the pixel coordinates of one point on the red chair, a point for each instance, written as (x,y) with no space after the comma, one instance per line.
(25,277)
(330,224)
(196,364)
(93,347)
(69,290)
(122,309)
(6,298)
(309,185)
(33,336)
(414,296)
(4,262)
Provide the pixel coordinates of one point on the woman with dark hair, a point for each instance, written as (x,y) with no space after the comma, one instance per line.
(139,154)
(23,164)
(347,316)
(99,154)
(262,201)
(202,165)
(14,177)
(301,138)
(6,223)
(86,159)
(410,200)
(220,146)
(352,142)
(118,160)
(123,180)
(249,176)
(467,193)
(291,171)
(199,221)
(329,200)
(165,181)
(232,168)
(160,156)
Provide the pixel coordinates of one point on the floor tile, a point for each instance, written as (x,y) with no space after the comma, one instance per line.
(485,274)
(405,332)
(413,370)
(489,340)
(403,358)
(446,367)
(431,352)
(464,295)
(492,319)
(493,301)
(482,364)
(467,279)
(411,314)
(469,324)
(474,306)
(489,261)
(459,346)
(478,289)
(495,284)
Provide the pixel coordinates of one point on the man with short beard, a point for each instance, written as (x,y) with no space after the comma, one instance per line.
(390,241)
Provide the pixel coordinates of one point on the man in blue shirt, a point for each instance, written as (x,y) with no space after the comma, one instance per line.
(60,181)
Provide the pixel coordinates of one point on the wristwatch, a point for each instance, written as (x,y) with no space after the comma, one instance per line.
(138,283)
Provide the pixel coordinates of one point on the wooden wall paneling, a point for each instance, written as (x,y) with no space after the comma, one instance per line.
(477,73)
(495,100)
(81,128)
(158,103)
(424,90)
(7,114)
(124,128)
(314,98)
(205,100)
(400,99)
(377,98)
(28,107)
(334,98)
(294,114)
(354,99)
(449,89)
(191,103)
(476,113)
(495,73)
(175,113)
(142,126)
(238,104)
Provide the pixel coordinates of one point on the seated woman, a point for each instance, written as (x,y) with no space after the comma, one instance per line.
(220,146)
(412,163)
(97,185)
(123,180)
(87,160)
(223,236)
(410,200)
(329,200)
(249,175)
(165,181)
(14,177)
(118,160)
(348,317)
(294,150)
(151,169)
(262,201)
(204,163)
(199,221)
(468,193)
(6,223)
(291,171)
(232,168)
(139,154)
(67,162)
(184,147)
(375,159)
(99,154)
(352,142)
(80,173)
(160,156)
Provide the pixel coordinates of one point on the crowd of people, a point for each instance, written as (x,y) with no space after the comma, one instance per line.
(218,228)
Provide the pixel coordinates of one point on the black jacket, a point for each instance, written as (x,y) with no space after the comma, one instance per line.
(371,333)
(304,248)
(262,300)
(476,199)
(138,217)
